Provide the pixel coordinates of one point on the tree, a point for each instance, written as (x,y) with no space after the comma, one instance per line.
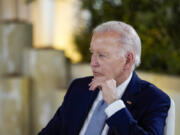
(156,21)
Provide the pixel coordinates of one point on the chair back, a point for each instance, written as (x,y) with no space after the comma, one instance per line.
(170,120)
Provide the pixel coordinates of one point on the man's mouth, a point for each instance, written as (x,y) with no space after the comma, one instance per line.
(96,73)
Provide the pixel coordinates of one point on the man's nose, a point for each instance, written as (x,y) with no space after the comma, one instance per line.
(94,61)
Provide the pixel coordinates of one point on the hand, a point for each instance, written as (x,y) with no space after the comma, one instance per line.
(108,87)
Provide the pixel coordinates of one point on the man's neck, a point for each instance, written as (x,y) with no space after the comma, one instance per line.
(123,78)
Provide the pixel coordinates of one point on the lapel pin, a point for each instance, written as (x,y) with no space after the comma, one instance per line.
(129,102)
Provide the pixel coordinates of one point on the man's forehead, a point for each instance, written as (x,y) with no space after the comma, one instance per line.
(106,38)
(106,45)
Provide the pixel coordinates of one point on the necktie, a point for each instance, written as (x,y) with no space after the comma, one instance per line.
(97,121)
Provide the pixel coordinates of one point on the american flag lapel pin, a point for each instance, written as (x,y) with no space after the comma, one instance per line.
(129,102)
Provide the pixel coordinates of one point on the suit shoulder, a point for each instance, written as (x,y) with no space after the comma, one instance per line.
(82,80)
(77,86)
(154,91)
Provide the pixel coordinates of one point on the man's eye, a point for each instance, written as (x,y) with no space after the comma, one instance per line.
(101,55)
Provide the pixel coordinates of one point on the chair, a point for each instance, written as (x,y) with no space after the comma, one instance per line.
(170,120)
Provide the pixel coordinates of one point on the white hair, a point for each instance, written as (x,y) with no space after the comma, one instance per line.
(129,38)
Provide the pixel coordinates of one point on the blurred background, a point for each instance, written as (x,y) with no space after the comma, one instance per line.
(44,45)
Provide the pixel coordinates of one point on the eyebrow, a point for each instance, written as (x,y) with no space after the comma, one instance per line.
(98,51)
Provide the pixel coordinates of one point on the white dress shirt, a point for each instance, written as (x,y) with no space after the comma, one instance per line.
(111,109)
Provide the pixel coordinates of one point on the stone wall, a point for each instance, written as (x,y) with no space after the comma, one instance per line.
(14,106)
(32,81)
(14,38)
(14,87)
(48,73)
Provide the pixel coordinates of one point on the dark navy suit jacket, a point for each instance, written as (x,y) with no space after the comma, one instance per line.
(145,112)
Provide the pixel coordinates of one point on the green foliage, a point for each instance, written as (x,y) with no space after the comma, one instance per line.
(156,21)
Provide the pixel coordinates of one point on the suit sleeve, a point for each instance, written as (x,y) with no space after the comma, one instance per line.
(151,123)
(55,126)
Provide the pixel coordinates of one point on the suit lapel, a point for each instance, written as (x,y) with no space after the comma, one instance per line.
(133,88)
(85,105)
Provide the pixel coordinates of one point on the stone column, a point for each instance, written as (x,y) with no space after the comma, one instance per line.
(14,37)
(47,68)
(9,9)
(44,104)
(24,11)
(48,72)
(14,104)
(43,20)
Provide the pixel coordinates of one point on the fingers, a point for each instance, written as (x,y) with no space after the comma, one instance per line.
(100,82)
(108,88)
(96,83)
(109,91)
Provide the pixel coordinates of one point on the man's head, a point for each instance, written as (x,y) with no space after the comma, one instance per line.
(116,50)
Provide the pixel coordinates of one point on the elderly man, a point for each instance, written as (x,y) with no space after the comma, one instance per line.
(114,101)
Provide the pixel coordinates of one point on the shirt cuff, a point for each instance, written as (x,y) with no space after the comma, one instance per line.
(114,107)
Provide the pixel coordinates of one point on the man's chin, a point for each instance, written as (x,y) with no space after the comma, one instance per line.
(103,77)
(98,76)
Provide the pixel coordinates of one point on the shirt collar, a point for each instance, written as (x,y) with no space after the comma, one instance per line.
(120,89)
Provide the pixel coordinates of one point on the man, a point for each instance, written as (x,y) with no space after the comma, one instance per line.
(131,106)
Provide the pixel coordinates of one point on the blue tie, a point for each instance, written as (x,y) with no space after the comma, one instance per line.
(97,121)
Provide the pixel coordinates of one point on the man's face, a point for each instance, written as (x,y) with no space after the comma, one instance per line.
(106,60)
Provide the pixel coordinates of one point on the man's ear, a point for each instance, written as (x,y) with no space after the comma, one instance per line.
(129,60)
